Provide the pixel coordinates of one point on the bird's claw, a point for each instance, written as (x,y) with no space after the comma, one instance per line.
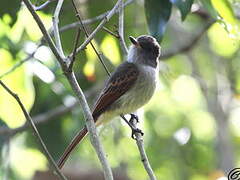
(133,116)
(136,130)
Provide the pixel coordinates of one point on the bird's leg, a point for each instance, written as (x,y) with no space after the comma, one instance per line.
(133,128)
(133,116)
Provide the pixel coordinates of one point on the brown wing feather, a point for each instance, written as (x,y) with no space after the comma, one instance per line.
(119,83)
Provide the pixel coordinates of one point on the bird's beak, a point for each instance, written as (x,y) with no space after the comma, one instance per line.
(134,41)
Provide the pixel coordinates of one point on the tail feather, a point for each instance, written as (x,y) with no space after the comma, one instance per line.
(79,136)
(77,139)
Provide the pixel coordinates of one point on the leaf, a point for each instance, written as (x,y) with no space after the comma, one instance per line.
(157,13)
(184,6)
(11,8)
(225,10)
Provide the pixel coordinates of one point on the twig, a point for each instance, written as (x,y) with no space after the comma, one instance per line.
(101,24)
(42,6)
(55,28)
(36,133)
(18,64)
(121,29)
(190,45)
(110,32)
(47,116)
(46,34)
(90,21)
(144,158)
(74,49)
(87,35)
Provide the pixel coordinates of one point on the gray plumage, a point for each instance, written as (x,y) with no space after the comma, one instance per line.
(133,83)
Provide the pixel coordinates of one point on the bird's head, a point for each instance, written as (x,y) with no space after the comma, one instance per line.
(145,49)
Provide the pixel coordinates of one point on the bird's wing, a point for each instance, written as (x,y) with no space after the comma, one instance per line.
(120,82)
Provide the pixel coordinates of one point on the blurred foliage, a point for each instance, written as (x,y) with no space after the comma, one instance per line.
(197,101)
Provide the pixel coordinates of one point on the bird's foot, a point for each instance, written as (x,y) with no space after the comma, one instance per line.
(134,129)
(133,116)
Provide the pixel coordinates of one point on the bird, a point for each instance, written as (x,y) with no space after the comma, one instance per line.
(128,88)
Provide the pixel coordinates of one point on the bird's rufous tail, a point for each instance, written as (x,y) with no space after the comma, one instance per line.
(79,136)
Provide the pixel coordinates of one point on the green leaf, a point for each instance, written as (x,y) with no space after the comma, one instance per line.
(184,6)
(11,8)
(157,13)
(225,10)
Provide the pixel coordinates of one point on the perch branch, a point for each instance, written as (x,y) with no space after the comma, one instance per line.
(36,133)
(91,126)
(144,158)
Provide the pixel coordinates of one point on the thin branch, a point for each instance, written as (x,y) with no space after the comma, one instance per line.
(144,158)
(47,116)
(121,29)
(87,35)
(42,6)
(90,21)
(110,32)
(55,27)
(190,45)
(74,49)
(45,34)
(19,63)
(36,133)
(101,24)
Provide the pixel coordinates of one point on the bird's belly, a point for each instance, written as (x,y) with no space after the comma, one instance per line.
(138,95)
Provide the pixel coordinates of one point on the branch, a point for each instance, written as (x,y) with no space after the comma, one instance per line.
(47,116)
(90,21)
(19,63)
(55,28)
(45,34)
(36,133)
(190,45)
(91,126)
(87,35)
(101,24)
(77,90)
(121,29)
(75,49)
(42,6)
